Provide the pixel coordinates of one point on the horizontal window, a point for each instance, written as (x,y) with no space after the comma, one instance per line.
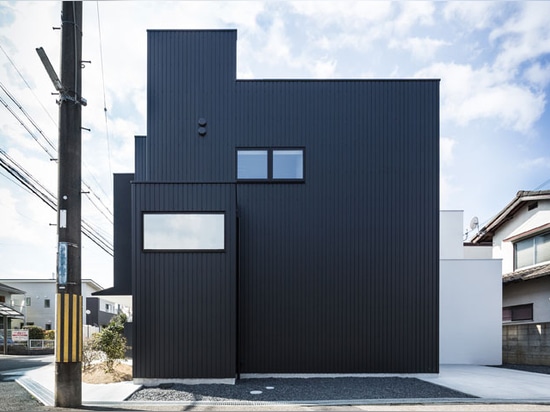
(518,312)
(532,251)
(183,231)
(270,164)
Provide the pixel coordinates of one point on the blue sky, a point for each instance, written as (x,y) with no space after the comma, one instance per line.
(493,59)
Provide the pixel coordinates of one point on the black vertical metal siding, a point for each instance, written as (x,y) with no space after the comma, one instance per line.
(184,303)
(339,273)
(140,158)
(191,75)
(122,242)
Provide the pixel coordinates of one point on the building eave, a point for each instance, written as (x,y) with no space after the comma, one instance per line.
(486,233)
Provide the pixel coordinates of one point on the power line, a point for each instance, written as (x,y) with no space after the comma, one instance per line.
(27,84)
(20,107)
(103,83)
(48,141)
(52,156)
(541,185)
(27,181)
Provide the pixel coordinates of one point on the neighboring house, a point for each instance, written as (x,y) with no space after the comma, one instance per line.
(520,236)
(8,313)
(278,226)
(37,302)
(100,311)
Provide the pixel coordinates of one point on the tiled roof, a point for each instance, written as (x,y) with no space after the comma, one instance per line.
(527,274)
(523,197)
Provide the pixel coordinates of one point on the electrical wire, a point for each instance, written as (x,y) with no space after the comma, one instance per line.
(29,118)
(51,155)
(541,185)
(28,182)
(27,84)
(14,100)
(103,83)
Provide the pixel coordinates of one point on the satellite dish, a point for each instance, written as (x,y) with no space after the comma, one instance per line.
(474,223)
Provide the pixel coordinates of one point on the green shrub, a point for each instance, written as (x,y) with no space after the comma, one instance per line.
(111,341)
(49,334)
(35,332)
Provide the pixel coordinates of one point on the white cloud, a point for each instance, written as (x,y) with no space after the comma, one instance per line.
(472,14)
(446,150)
(421,48)
(324,68)
(469,94)
(414,13)
(538,74)
(524,36)
(350,14)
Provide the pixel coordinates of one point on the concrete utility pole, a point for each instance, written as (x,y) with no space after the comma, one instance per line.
(68,362)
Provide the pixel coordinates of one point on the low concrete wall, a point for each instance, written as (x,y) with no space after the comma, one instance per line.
(527,343)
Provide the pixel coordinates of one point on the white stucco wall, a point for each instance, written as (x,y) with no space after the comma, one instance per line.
(470,312)
(470,326)
(536,291)
(451,234)
(478,252)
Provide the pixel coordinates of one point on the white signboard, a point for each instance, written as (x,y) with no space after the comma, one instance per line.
(20,335)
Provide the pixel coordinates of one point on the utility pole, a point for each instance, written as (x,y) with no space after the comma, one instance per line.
(68,362)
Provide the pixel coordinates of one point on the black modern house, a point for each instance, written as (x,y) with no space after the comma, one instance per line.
(278,226)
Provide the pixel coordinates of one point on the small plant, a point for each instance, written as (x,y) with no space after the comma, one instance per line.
(111,342)
(49,334)
(35,332)
(90,353)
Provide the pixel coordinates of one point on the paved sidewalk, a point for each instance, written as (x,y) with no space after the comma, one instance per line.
(493,383)
(40,382)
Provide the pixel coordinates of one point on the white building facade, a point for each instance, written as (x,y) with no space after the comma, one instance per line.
(470,298)
(38,304)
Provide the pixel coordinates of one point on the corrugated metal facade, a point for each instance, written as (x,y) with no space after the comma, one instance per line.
(184,303)
(335,274)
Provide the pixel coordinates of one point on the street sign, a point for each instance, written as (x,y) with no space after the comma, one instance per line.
(20,335)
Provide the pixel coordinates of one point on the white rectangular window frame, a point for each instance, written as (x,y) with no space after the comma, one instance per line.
(532,251)
(184,231)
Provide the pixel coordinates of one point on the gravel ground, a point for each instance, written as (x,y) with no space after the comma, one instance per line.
(289,390)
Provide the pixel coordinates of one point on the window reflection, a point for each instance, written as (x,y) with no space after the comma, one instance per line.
(252,164)
(183,231)
(288,164)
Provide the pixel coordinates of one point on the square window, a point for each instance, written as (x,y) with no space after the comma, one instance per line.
(252,164)
(288,164)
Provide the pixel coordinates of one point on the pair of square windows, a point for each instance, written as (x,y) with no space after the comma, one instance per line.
(270,164)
